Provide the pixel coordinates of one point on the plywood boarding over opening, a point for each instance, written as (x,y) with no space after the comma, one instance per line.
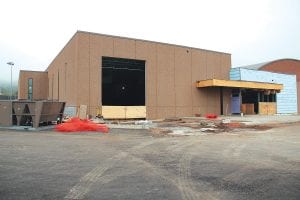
(238,84)
(123,112)
(267,108)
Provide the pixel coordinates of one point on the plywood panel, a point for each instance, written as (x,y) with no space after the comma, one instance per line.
(239,84)
(82,111)
(267,108)
(247,108)
(124,48)
(183,66)
(166,75)
(123,112)
(132,112)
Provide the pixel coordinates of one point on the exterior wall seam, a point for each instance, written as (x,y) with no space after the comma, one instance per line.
(89,52)
(174,87)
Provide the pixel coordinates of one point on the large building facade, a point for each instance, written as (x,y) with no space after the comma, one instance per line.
(102,70)
(285,66)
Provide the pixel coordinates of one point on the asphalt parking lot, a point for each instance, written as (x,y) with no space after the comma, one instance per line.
(132,164)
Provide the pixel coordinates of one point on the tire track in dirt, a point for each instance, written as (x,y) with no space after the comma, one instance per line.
(83,186)
(169,177)
(234,150)
(186,184)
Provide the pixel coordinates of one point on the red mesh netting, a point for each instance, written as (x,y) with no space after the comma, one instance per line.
(211,116)
(76,125)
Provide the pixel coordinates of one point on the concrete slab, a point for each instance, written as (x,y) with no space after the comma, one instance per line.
(27,128)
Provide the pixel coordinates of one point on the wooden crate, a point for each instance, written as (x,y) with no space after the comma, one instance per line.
(267,108)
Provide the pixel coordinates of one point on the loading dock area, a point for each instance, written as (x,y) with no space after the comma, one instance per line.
(247,97)
(123,88)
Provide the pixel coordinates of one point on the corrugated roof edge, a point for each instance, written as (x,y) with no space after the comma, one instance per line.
(260,65)
(107,35)
(290,74)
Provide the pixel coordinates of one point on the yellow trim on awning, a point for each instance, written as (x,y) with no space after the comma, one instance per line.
(238,84)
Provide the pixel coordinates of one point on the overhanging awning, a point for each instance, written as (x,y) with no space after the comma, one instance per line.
(239,84)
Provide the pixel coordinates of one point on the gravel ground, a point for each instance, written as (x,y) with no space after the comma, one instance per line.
(132,164)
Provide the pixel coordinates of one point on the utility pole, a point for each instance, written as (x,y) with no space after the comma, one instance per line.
(11,90)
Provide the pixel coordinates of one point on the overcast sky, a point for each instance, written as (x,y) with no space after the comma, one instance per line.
(32,32)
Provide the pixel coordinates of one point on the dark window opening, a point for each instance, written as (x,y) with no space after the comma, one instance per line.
(123,82)
(254,97)
(30,89)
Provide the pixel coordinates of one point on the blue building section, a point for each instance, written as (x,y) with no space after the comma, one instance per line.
(286,99)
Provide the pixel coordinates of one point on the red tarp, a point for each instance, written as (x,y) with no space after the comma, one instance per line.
(76,125)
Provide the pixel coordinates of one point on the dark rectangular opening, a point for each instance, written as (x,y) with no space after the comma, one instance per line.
(30,89)
(254,96)
(123,82)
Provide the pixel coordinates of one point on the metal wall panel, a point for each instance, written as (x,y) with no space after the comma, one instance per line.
(298,96)
(40,84)
(124,48)
(147,51)
(83,68)
(184,111)
(96,49)
(210,65)
(225,66)
(170,69)
(165,112)
(199,96)
(183,79)
(287,98)
(235,74)
(183,67)
(165,76)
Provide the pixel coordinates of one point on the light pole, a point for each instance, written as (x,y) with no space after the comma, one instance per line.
(11,90)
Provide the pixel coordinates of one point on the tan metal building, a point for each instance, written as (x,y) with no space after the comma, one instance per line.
(101,70)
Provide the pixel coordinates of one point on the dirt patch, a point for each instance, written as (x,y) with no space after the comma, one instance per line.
(201,126)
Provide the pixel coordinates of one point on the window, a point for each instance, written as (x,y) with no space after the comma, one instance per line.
(30,88)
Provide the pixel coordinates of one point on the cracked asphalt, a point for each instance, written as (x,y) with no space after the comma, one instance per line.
(132,164)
